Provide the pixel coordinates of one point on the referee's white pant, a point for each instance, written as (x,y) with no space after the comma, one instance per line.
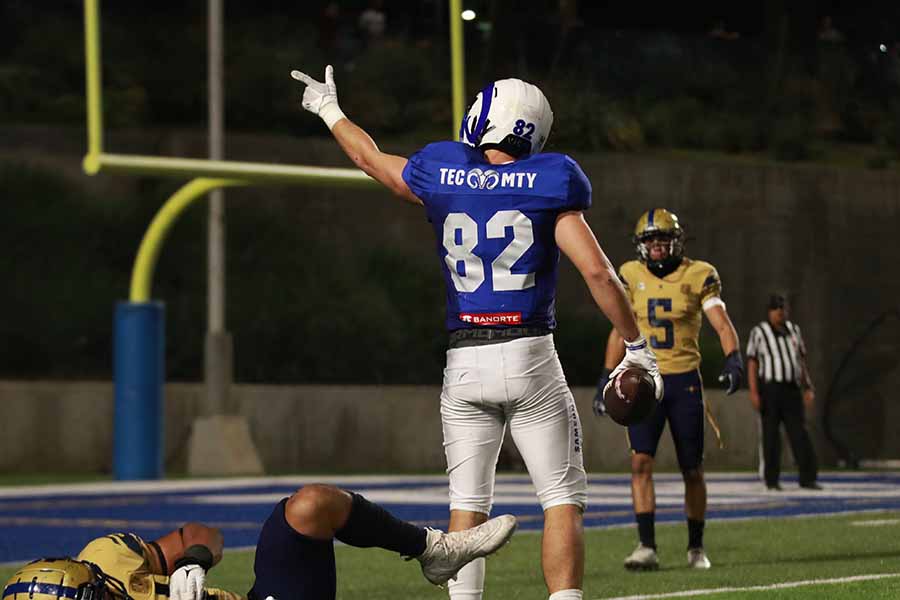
(519,382)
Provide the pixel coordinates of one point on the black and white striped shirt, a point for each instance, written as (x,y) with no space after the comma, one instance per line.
(781,354)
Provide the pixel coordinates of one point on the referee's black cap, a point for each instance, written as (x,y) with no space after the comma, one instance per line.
(776,300)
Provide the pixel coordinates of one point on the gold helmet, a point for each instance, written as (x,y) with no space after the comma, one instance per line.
(55,578)
(659,223)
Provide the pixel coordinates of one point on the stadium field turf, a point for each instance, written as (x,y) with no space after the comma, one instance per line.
(797,558)
(840,542)
(744,554)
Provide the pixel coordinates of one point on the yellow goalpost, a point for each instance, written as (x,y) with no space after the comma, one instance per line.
(138,354)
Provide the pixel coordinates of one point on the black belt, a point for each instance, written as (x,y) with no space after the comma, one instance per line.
(463,338)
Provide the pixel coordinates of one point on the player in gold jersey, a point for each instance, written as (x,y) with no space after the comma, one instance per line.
(669,293)
(294,554)
(122,565)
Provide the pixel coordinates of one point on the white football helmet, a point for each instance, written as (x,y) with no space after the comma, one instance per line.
(510,115)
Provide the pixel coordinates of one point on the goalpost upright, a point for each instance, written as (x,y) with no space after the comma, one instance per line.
(139,346)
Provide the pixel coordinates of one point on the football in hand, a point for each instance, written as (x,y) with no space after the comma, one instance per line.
(631,397)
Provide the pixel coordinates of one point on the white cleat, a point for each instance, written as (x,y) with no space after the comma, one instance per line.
(446,553)
(642,559)
(697,559)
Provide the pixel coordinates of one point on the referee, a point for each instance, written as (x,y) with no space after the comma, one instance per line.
(780,388)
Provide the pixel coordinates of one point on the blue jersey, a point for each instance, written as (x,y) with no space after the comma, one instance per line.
(494,226)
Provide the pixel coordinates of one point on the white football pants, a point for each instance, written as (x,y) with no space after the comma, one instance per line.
(519,382)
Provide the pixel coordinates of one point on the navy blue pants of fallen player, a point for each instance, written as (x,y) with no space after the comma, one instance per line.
(682,408)
(291,565)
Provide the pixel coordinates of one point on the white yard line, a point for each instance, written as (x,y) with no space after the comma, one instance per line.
(187,485)
(876,522)
(757,588)
(727,482)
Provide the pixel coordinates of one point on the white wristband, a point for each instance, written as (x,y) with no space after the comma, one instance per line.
(639,343)
(331,113)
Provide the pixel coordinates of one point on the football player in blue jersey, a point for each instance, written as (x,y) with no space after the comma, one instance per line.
(501,212)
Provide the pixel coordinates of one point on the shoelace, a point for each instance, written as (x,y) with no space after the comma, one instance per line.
(441,544)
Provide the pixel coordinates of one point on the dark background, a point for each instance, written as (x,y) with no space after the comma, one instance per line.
(637,78)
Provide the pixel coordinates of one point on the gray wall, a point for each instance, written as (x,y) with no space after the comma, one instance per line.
(67,427)
(825,235)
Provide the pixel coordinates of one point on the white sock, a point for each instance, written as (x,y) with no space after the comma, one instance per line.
(469,583)
(566,595)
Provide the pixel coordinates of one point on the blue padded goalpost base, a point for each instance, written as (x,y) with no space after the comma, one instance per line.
(139,373)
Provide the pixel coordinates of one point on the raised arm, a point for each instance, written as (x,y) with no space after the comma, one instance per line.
(321,99)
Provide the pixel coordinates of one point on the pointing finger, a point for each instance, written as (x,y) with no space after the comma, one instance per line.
(300,76)
(329,75)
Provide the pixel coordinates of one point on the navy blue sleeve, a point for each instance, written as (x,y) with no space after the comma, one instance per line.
(579,197)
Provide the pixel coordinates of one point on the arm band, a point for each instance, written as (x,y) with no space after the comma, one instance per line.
(713,301)
(196,555)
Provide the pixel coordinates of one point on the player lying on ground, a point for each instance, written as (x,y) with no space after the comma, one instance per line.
(294,554)
(502,211)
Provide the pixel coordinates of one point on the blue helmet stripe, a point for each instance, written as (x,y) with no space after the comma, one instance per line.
(474,136)
(650,217)
(33,587)
(487,97)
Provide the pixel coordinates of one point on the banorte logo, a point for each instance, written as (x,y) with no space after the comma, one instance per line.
(482,180)
(505,318)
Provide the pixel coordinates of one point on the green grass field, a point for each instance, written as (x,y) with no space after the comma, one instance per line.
(743,553)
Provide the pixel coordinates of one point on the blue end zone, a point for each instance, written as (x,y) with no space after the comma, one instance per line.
(59,520)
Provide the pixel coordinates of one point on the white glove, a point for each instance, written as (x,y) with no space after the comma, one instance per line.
(639,355)
(187,583)
(321,98)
